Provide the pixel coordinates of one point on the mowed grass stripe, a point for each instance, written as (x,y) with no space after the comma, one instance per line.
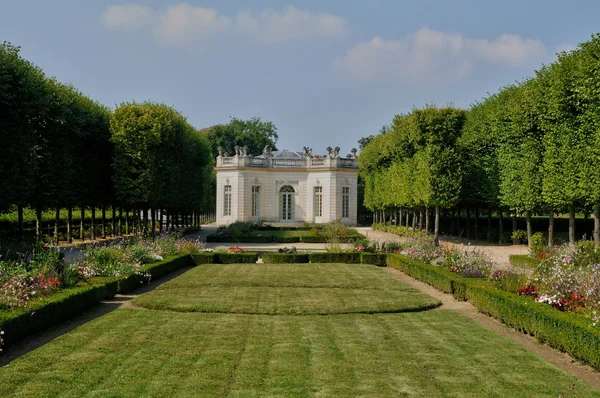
(154,353)
(285,300)
(356,276)
(287,289)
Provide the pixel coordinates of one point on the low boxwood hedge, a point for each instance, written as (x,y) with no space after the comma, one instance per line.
(203,258)
(285,258)
(378,259)
(236,258)
(562,330)
(343,257)
(313,239)
(67,303)
(240,239)
(286,239)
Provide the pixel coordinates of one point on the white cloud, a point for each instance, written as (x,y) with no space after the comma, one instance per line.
(126,17)
(273,26)
(432,56)
(183,24)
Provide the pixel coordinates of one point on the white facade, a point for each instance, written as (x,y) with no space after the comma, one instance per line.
(286,187)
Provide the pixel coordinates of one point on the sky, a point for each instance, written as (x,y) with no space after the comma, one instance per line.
(326,73)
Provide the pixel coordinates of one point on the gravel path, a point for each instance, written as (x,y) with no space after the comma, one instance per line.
(499,254)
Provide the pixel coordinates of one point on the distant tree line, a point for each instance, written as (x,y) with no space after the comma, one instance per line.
(62,150)
(531,148)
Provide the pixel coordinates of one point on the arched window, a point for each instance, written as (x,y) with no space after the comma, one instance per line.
(286,193)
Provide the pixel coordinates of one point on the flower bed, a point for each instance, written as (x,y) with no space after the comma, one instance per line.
(39,314)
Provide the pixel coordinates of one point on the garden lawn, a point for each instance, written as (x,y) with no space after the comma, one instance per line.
(287,289)
(135,353)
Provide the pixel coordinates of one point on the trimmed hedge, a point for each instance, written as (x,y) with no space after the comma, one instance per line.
(285,258)
(68,303)
(313,239)
(241,239)
(344,257)
(286,239)
(562,330)
(203,258)
(236,258)
(378,259)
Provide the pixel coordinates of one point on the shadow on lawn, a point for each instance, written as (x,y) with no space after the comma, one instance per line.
(31,343)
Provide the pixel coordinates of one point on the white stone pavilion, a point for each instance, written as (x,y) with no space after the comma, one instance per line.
(286,187)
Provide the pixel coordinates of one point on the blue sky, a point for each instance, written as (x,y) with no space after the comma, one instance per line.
(325,72)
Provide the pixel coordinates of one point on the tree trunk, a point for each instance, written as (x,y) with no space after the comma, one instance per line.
(113,224)
(38,223)
(452,226)
(160,220)
(145,222)
(20,220)
(103,221)
(500,225)
(153,220)
(529,228)
(82,224)
(56,222)
(120,221)
(427,224)
(597,226)
(514,226)
(93,222)
(489,224)
(436,228)
(399,219)
(572,224)
(551,228)
(468,214)
(414,220)
(69,225)
(127,221)
(407,218)
(421,219)
(476,223)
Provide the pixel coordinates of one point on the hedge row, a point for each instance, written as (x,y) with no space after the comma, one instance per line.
(343,257)
(67,303)
(276,239)
(346,258)
(225,258)
(562,330)
(285,258)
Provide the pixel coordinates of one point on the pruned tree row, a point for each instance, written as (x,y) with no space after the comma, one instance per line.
(529,149)
(62,150)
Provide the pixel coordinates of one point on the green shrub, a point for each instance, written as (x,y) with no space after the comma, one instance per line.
(236,258)
(203,258)
(538,242)
(340,257)
(519,236)
(285,258)
(378,259)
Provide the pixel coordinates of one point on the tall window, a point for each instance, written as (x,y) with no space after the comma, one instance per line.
(227,200)
(345,202)
(255,201)
(318,201)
